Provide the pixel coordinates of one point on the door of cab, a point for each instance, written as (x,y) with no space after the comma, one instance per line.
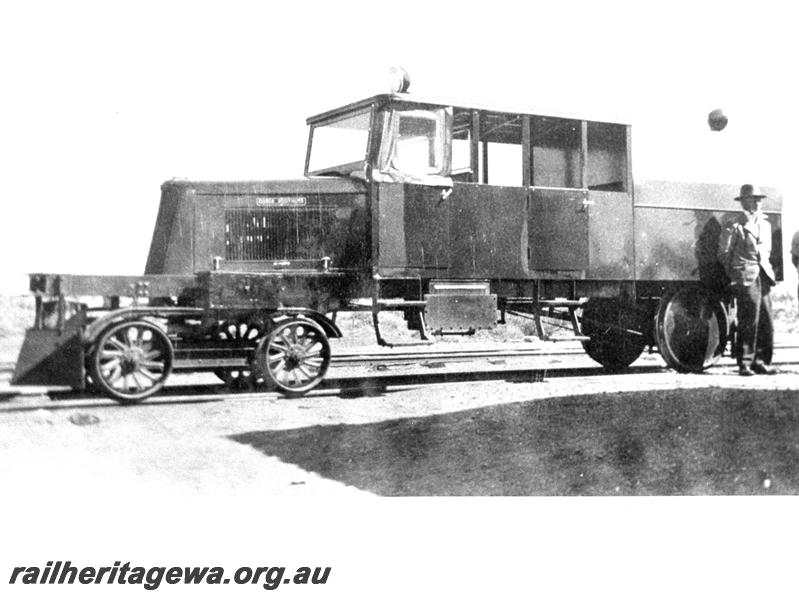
(412,229)
(558,229)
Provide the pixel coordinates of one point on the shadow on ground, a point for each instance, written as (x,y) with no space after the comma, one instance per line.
(681,442)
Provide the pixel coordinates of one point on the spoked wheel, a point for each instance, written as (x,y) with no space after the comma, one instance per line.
(131,361)
(238,334)
(616,339)
(691,327)
(294,358)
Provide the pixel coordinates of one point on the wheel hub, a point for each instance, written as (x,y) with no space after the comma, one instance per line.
(294,356)
(130,359)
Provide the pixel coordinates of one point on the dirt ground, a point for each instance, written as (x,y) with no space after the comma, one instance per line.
(653,434)
(629,435)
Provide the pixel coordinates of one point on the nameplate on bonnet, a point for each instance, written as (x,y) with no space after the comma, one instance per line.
(281,201)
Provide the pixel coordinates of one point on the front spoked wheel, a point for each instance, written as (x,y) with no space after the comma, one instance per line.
(294,357)
(131,361)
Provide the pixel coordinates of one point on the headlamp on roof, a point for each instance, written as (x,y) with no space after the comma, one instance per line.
(399,79)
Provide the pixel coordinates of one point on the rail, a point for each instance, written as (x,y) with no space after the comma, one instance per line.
(428,370)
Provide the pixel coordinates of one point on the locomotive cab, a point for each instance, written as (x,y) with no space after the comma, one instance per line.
(465,192)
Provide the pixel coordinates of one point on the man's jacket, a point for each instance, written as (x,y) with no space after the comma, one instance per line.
(745,248)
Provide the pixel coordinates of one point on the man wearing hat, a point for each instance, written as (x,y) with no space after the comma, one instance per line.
(744,250)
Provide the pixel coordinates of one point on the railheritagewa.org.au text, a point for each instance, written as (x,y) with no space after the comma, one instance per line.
(151,578)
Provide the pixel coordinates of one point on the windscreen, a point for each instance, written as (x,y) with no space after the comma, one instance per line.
(339,146)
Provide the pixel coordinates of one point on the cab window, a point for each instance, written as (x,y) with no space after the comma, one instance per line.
(606,162)
(555,152)
(414,142)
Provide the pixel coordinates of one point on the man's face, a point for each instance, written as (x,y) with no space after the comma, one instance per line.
(751,204)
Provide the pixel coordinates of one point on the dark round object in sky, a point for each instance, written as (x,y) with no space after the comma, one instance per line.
(717,120)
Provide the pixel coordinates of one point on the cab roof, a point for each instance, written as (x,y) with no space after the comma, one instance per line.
(383,99)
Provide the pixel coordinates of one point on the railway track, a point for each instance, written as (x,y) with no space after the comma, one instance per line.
(372,373)
(389,357)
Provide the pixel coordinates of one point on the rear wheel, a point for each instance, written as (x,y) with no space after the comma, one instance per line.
(238,334)
(294,357)
(131,361)
(616,340)
(691,328)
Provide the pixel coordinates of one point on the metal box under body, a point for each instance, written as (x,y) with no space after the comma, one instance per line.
(460,305)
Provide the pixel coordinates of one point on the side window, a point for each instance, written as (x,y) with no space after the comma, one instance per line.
(500,150)
(498,159)
(416,148)
(414,142)
(606,163)
(556,152)
(462,146)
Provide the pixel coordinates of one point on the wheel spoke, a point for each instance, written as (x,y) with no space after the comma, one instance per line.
(279,367)
(115,375)
(151,364)
(106,366)
(147,373)
(279,344)
(295,377)
(117,343)
(308,342)
(273,355)
(152,354)
(139,385)
(301,369)
(136,384)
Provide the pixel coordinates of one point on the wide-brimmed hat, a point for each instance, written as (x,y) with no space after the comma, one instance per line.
(750,191)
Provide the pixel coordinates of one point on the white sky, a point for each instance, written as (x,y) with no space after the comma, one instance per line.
(102,102)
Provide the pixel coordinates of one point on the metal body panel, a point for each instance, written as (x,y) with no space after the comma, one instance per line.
(171,248)
(252,226)
(681,244)
(677,227)
(707,196)
(610,236)
(269,291)
(133,286)
(460,311)
(52,356)
(411,223)
(488,232)
(558,229)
